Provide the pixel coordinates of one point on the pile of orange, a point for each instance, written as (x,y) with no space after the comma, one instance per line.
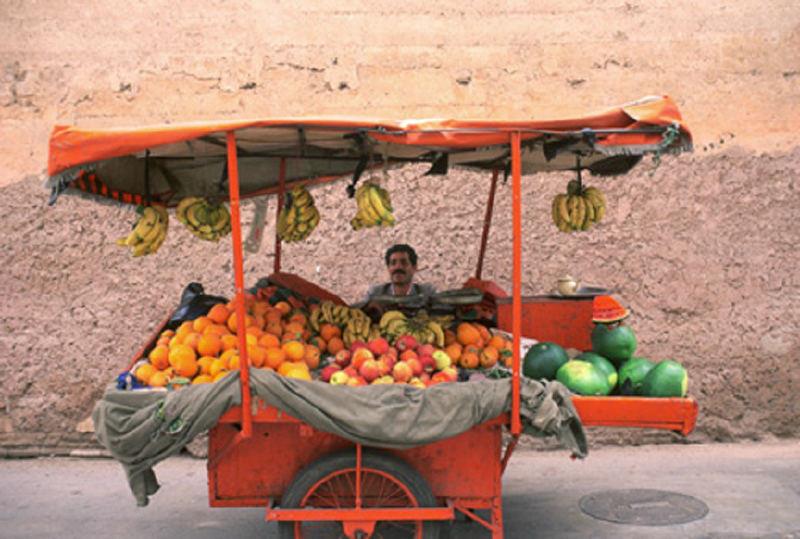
(473,346)
(207,348)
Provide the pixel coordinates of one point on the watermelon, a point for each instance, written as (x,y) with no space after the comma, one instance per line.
(617,344)
(543,361)
(583,378)
(667,379)
(632,373)
(603,365)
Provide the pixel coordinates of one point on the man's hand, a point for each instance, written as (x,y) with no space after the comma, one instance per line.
(374,310)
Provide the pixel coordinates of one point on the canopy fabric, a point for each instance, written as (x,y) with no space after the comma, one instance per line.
(166,162)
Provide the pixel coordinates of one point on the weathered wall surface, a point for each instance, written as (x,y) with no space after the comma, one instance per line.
(702,248)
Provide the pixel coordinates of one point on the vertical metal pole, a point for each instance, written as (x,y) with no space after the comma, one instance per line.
(238,272)
(281,189)
(358,476)
(487,223)
(516,306)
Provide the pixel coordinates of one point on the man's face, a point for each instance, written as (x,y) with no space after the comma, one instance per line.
(400,269)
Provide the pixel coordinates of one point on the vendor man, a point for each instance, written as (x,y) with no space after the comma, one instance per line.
(401,262)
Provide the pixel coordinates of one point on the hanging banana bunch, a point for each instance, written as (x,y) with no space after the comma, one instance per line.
(149,231)
(579,209)
(206,221)
(374,207)
(299,217)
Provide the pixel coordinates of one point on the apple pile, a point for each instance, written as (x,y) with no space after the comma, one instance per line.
(378,362)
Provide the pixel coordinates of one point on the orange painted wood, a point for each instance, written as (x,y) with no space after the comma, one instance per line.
(675,414)
(467,466)
(567,322)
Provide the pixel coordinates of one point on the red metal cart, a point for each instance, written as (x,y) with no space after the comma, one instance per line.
(316,484)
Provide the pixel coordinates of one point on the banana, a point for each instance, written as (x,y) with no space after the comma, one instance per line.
(580,207)
(183,205)
(388,316)
(313,320)
(563,210)
(438,333)
(376,202)
(555,209)
(590,211)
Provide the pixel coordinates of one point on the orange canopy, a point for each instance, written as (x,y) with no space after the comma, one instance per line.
(183,159)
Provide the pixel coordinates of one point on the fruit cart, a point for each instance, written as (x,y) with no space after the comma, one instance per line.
(317,483)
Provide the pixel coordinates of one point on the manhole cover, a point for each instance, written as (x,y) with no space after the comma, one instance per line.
(643,507)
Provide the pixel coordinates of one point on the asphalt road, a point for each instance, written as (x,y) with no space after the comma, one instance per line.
(751,490)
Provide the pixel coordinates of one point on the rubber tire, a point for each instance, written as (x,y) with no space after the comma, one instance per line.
(320,468)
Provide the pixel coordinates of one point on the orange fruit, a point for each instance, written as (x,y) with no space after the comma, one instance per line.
(216,329)
(159,379)
(185,366)
(175,341)
(484,333)
(251,340)
(200,323)
(298,317)
(254,331)
(454,351)
(217,366)
(233,321)
(221,374)
(192,339)
(294,329)
(209,345)
(288,366)
(319,342)
(274,327)
(184,329)
(334,345)
(234,362)
(275,357)
(260,308)
(497,342)
(489,357)
(227,355)
(229,342)
(159,357)
(218,314)
(311,356)
(202,379)
(300,374)
(273,315)
(469,360)
(256,355)
(182,353)
(167,333)
(204,363)
(295,351)
(329,331)
(163,341)
(283,307)
(144,372)
(449,337)
(466,333)
(268,340)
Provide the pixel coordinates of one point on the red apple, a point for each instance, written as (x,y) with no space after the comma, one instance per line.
(360,356)
(385,364)
(425,349)
(356,345)
(325,374)
(356,381)
(416,382)
(406,342)
(342,358)
(451,373)
(386,379)
(439,377)
(402,372)
(369,370)
(425,377)
(351,371)
(416,366)
(393,352)
(408,354)
(339,378)
(378,346)
(428,363)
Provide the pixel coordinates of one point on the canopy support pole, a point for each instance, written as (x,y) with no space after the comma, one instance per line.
(487,223)
(238,272)
(281,189)
(516,306)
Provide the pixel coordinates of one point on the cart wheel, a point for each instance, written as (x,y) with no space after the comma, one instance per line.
(385,482)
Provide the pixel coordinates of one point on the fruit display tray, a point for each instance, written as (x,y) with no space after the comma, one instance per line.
(675,414)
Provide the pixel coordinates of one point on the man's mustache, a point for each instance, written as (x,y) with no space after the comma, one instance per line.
(398,272)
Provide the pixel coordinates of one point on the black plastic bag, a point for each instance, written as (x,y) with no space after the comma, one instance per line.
(194,303)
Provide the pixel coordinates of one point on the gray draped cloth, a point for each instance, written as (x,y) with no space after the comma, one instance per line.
(143,427)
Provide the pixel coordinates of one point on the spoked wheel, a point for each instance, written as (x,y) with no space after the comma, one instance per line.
(386,482)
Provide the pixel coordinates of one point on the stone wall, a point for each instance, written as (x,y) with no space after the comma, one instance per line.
(700,248)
